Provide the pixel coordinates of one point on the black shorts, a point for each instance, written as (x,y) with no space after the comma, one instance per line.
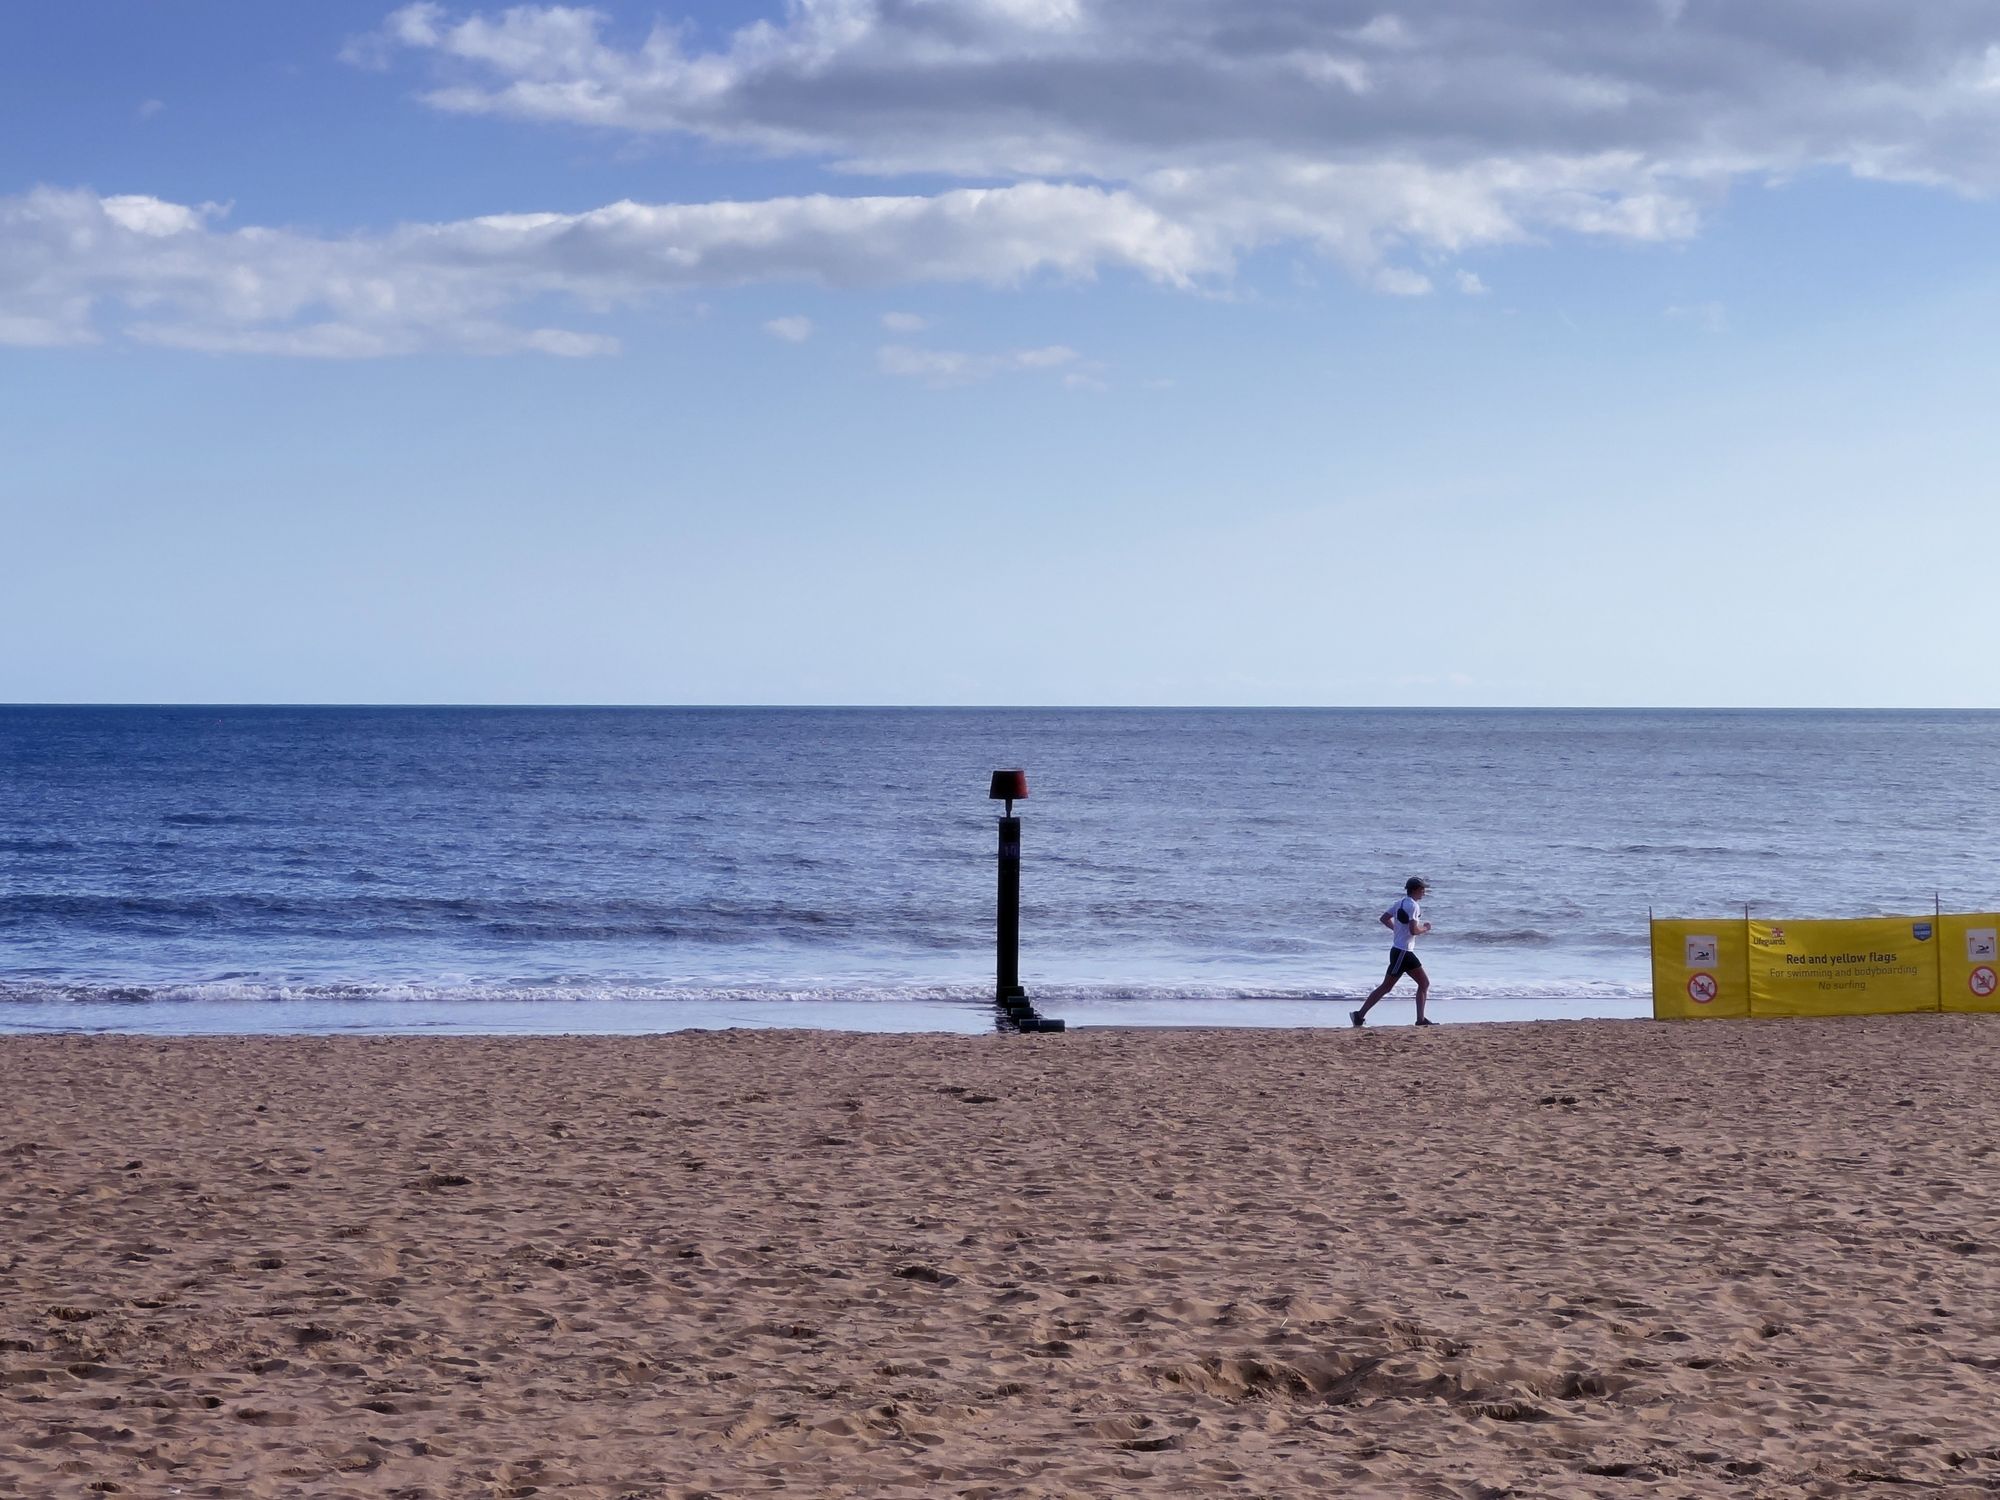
(1403,961)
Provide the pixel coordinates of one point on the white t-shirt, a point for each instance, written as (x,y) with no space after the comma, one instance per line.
(1404,915)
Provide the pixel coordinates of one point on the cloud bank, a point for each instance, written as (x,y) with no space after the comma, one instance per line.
(1167,139)
(1118,88)
(75,266)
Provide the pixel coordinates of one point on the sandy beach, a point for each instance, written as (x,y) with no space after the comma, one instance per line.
(1562,1258)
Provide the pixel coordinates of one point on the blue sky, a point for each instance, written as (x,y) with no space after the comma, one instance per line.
(1051,351)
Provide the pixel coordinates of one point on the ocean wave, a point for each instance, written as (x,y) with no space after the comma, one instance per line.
(17,909)
(1505,937)
(38,846)
(520,920)
(860,993)
(1697,851)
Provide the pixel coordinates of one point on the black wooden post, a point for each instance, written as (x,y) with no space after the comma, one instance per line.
(1008,996)
(1007,785)
(1007,957)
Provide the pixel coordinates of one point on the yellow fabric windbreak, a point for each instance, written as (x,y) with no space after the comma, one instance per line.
(1969,961)
(1871,966)
(1699,970)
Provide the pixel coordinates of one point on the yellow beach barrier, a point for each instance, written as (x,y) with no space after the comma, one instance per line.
(1969,959)
(1862,966)
(1700,969)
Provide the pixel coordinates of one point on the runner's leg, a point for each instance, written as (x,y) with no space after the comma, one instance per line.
(1388,983)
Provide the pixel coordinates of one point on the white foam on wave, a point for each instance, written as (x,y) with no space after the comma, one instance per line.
(832,992)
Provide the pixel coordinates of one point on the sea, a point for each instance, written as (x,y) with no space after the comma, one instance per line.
(178,870)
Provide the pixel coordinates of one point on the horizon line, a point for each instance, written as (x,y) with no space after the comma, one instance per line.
(885,707)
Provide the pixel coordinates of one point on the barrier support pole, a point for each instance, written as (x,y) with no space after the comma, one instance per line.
(1653,957)
(1749,995)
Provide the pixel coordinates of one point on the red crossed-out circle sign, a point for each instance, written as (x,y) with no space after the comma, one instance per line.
(1701,988)
(1982,981)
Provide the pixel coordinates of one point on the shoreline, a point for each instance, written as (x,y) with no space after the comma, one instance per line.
(1555,1257)
(634,1017)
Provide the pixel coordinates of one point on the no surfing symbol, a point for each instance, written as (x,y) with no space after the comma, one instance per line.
(1701,988)
(1982,981)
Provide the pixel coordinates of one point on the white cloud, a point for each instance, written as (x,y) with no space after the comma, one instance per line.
(902,322)
(1166,139)
(1469,283)
(154,218)
(1709,317)
(1043,359)
(51,330)
(75,267)
(1114,90)
(1375,140)
(951,367)
(793,330)
(150,107)
(1399,282)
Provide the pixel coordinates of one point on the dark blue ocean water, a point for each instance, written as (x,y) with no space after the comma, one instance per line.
(615,869)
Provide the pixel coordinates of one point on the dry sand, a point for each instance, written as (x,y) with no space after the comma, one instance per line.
(1571,1258)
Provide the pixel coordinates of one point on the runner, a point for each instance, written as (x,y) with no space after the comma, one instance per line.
(1405,921)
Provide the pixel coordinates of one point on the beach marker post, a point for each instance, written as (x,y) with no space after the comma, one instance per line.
(1008,995)
(1008,785)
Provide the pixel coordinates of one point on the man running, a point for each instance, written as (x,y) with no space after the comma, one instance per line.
(1405,921)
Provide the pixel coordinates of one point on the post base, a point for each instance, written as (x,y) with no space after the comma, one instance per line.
(1017,1013)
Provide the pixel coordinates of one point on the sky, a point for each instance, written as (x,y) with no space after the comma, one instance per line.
(1568,352)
